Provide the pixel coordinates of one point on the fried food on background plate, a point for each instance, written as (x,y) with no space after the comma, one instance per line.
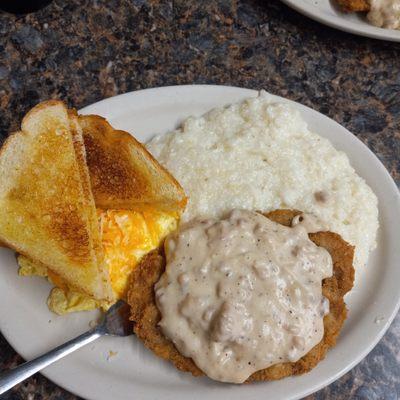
(354,5)
(145,314)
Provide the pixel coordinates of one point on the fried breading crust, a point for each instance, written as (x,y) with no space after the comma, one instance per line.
(354,5)
(145,314)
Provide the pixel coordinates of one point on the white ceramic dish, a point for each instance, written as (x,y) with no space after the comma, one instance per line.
(327,12)
(134,372)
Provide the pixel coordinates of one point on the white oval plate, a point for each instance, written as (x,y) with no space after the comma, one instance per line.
(133,372)
(328,13)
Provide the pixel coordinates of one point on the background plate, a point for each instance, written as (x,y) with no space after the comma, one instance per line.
(134,372)
(327,12)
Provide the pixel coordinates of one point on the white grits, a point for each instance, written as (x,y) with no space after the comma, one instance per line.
(260,155)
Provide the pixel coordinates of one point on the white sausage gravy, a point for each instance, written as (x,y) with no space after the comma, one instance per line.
(243,293)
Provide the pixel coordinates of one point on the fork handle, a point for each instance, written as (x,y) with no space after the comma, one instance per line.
(16,375)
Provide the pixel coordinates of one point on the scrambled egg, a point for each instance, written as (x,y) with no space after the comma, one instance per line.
(126,237)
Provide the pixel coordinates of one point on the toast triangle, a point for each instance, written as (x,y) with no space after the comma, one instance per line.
(123,174)
(47,211)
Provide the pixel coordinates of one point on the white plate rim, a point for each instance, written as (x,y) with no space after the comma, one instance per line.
(342,23)
(107,104)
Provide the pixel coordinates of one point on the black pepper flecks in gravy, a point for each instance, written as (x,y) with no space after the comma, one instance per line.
(243,293)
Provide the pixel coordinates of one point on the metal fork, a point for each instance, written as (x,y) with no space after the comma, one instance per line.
(115,322)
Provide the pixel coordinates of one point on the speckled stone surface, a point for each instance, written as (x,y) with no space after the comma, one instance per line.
(85,50)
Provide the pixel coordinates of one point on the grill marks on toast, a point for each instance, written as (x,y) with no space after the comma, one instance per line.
(146,316)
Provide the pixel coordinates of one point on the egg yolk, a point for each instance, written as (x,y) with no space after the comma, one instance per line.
(126,237)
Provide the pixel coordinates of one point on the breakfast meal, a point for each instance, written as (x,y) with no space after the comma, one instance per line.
(244,316)
(82,203)
(381,13)
(232,238)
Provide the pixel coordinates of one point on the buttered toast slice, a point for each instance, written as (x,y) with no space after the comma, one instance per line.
(123,173)
(47,211)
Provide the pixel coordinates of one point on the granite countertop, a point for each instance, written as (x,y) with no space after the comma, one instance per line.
(84,51)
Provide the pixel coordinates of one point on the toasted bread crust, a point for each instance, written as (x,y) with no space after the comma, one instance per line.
(123,173)
(46,207)
(91,212)
(145,314)
(35,112)
(354,5)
